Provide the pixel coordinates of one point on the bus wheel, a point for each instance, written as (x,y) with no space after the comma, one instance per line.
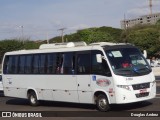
(102,103)
(33,99)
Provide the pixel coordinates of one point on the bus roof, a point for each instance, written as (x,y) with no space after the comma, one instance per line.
(63,47)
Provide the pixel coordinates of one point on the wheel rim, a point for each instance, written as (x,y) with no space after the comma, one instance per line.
(33,99)
(102,103)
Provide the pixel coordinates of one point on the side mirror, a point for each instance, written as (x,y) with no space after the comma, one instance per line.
(99,58)
(145,53)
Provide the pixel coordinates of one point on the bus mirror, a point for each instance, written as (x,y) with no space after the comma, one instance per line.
(145,53)
(99,58)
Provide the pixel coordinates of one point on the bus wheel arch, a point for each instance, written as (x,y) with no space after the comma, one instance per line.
(32,97)
(102,101)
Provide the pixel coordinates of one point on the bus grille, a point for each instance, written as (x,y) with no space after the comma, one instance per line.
(142,94)
(141,86)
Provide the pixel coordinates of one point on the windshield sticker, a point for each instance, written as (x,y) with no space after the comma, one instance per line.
(113,67)
(116,53)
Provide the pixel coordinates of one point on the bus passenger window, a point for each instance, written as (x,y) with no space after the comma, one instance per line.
(83,63)
(36,64)
(42,65)
(51,63)
(68,63)
(21,64)
(12,65)
(59,61)
(6,65)
(28,65)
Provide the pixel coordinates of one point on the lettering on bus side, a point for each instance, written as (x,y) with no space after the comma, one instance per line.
(129,78)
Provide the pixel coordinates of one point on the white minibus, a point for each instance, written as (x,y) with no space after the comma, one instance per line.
(100,73)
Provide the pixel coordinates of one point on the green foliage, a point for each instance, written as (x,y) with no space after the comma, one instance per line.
(57,39)
(146,37)
(94,35)
(31,45)
(13,45)
(102,34)
(9,45)
(158,22)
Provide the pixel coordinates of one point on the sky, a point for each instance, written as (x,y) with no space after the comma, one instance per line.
(42,19)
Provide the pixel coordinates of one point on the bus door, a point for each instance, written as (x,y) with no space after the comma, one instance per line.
(65,84)
(101,78)
(83,77)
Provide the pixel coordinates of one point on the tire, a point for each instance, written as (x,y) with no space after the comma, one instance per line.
(102,103)
(33,99)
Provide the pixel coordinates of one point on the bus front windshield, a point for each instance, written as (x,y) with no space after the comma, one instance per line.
(128,62)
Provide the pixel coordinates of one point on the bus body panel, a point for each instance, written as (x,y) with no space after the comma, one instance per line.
(50,87)
(133,94)
(84,88)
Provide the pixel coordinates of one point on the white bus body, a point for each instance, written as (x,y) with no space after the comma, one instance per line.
(75,73)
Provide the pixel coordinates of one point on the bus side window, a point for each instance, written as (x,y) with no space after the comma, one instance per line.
(51,63)
(99,68)
(14,66)
(68,63)
(28,65)
(36,61)
(42,64)
(83,63)
(9,65)
(6,65)
(59,61)
(21,64)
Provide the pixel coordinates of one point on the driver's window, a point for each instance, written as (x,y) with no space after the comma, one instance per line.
(99,68)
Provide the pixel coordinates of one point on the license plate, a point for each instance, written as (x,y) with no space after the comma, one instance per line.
(143,91)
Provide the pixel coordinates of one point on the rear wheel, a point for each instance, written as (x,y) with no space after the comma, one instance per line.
(102,103)
(33,99)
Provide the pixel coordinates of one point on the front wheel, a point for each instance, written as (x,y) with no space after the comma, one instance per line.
(102,103)
(33,99)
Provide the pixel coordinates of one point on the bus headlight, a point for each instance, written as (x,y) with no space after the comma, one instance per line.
(153,83)
(124,87)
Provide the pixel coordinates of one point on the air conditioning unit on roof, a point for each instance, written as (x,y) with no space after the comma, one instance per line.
(62,45)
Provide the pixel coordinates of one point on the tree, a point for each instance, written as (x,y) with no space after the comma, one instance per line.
(158,22)
(9,45)
(31,45)
(147,39)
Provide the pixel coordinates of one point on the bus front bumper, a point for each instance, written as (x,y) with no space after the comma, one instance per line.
(130,95)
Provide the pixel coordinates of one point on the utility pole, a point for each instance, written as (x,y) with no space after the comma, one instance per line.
(22,33)
(150,6)
(62,31)
(47,38)
(125,28)
(125,22)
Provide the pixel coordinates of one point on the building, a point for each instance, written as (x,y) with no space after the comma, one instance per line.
(146,19)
